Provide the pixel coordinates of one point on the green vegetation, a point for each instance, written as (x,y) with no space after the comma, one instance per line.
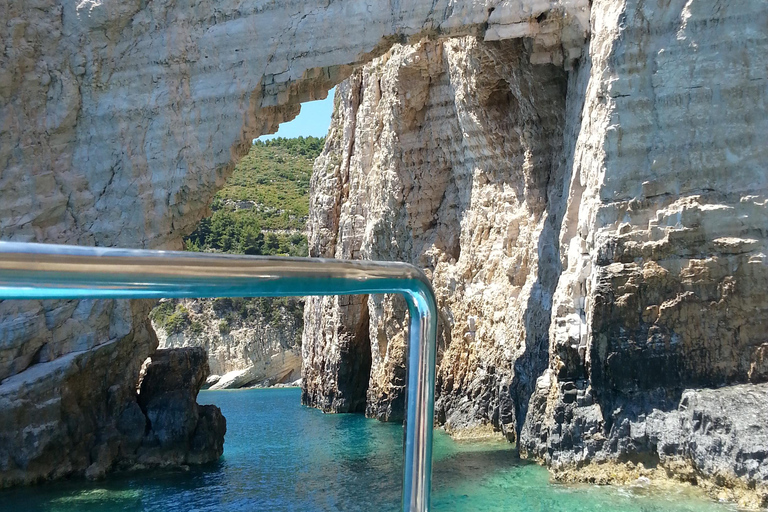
(262,210)
(196,328)
(235,311)
(171,316)
(267,192)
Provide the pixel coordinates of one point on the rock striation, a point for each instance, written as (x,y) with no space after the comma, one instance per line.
(249,342)
(593,215)
(663,244)
(596,237)
(118,122)
(160,426)
(439,154)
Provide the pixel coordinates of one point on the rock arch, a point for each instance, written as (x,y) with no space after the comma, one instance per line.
(119,122)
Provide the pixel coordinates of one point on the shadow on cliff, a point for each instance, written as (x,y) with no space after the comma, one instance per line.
(538,314)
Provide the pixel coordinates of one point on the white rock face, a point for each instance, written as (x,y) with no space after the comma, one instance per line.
(593,217)
(118,122)
(131,114)
(664,242)
(596,238)
(249,342)
(439,154)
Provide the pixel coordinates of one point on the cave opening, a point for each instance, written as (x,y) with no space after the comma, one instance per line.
(355,363)
(261,210)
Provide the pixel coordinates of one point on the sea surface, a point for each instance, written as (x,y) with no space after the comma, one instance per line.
(280,456)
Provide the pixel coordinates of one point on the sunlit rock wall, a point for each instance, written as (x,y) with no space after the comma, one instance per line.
(441,154)
(249,342)
(596,237)
(664,244)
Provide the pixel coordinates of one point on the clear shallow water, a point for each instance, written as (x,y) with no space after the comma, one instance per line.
(280,456)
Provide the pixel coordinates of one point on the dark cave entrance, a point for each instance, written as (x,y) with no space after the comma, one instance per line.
(355,362)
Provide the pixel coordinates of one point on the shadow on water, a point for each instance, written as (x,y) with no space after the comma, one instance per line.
(280,456)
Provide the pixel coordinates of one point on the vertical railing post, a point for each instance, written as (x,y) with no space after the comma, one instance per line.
(420,399)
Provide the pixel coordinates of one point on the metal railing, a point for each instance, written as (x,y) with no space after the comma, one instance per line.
(40,271)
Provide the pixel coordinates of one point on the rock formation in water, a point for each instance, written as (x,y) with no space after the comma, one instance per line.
(161,426)
(593,216)
(179,430)
(249,341)
(663,247)
(596,239)
(439,154)
(118,122)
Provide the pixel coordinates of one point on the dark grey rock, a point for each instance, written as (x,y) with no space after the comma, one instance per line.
(179,430)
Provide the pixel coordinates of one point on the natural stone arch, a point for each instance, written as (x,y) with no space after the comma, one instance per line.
(165,96)
(120,121)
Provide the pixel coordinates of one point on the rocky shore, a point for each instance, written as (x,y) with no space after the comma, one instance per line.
(249,342)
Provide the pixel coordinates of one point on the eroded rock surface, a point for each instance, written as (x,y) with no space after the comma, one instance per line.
(249,342)
(664,242)
(84,417)
(439,154)
(179,430)
(596,238)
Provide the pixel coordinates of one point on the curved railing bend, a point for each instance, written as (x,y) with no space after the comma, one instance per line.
(39,271)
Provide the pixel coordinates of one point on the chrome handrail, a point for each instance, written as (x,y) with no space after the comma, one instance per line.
(42,271)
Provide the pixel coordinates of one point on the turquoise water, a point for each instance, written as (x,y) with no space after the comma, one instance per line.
(280,456)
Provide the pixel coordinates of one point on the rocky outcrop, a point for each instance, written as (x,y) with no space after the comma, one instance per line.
(178,430)
(721,431)
(595,236)
(715,439)
(118,122)
(62,415)
(439,154)
(83,418)
(249,342)
(663,243)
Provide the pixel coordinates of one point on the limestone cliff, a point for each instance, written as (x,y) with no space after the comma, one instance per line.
(248,341)
(664,246)
(593,216)
(439,154)
(596,239)
(118,122)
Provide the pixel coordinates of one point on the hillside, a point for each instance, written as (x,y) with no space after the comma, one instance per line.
(264,206)
(262,210)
